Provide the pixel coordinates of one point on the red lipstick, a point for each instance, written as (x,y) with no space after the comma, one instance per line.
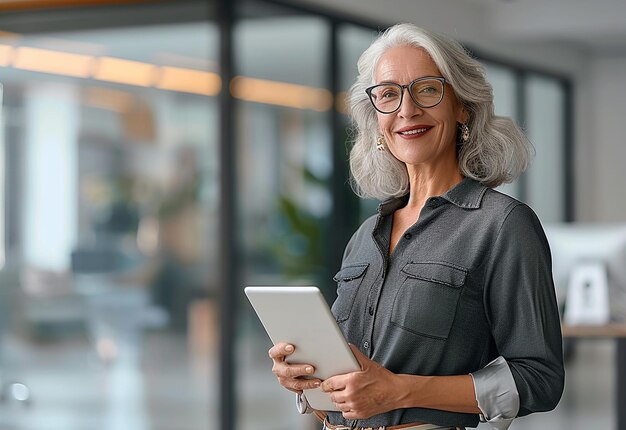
(413,131)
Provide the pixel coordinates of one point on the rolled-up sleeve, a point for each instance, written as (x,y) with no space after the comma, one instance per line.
(520,304)
(496,394)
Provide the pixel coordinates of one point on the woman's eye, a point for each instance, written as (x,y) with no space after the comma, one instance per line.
(428,90)
(389,94)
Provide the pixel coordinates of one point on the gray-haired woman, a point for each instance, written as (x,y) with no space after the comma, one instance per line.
(446,294)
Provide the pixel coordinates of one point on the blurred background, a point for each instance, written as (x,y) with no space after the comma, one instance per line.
(158,156)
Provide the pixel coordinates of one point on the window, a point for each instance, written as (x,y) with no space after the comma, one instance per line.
(112,207)
(283,168)
(504,83)
(112,198)
(545,119)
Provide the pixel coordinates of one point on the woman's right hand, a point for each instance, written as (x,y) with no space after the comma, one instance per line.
(291,376)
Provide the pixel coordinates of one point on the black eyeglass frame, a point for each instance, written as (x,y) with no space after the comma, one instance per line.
(408,86)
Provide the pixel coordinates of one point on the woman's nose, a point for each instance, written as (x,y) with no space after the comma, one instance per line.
(408,108)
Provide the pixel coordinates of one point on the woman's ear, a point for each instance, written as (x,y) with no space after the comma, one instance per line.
(462,116)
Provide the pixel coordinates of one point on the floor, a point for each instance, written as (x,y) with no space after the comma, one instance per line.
(172,387)
(165,388)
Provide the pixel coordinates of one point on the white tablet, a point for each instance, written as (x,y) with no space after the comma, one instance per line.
(301,317)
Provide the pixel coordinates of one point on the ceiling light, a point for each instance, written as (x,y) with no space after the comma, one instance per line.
(281,94)
(124,71)
(55,62)
(5,55)
(189,81)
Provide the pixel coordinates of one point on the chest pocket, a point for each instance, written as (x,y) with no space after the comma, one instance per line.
(426,302)
(348,280)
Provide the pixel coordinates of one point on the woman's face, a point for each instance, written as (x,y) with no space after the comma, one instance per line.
(415,135)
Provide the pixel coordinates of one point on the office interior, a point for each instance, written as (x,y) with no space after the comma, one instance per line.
(158,156)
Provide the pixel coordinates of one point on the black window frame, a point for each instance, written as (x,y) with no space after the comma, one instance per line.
(345,204)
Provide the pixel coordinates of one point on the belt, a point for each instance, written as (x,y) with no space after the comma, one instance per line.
(416,426)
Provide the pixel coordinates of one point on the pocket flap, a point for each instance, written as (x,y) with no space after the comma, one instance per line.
(440,273)
(351,272)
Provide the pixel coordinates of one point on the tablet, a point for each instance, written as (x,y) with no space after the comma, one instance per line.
(300,316)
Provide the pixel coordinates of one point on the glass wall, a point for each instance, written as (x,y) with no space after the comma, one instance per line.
(536,102)
(108,294)
(110,142)
(352,41)
(545,116)
(283,167)
(504,83)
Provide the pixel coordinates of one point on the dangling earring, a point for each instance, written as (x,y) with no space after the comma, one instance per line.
(465,133)
(380,144)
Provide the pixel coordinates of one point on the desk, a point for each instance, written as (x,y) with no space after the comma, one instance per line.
(612,331)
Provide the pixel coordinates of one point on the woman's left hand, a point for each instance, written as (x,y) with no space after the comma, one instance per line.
(372,390)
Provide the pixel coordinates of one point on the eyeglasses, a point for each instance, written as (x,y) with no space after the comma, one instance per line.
(425,92)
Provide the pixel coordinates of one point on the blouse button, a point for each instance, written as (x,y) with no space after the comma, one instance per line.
(408,236)
(366,345)
(371,310)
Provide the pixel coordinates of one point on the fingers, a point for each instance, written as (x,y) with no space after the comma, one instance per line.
(296,384)
(299,385)
(280,351)
(336,383)
(345,408)
(337,388)
(286,370)
(291,376)
(338,397)
(351,415)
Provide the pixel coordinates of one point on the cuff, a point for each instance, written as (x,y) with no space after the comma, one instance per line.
(302,404)
(496,394)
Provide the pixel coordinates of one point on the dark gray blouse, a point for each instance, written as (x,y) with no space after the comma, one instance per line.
(469,282)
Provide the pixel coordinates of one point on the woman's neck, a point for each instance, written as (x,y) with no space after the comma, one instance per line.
(426,183)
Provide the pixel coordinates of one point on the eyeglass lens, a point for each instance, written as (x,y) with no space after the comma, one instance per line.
(388,97)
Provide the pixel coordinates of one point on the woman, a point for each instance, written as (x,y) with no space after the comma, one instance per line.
(446,295)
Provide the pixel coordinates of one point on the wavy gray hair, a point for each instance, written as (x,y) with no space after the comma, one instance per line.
(497,150)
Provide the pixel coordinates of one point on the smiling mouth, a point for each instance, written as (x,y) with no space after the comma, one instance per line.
(414,132)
